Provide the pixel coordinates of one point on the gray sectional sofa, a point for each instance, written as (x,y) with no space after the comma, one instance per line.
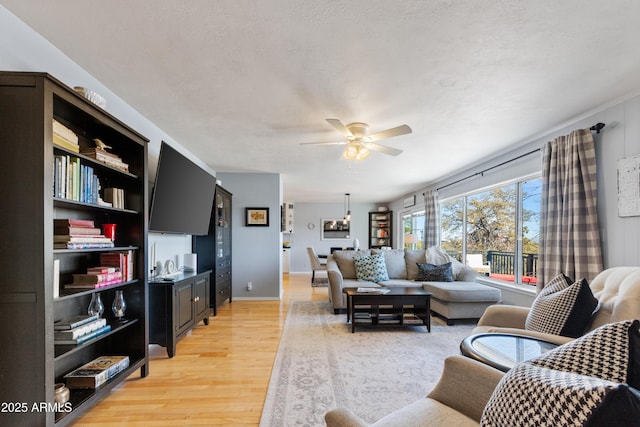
(463,298)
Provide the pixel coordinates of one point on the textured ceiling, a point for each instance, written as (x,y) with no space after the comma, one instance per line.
(242,83)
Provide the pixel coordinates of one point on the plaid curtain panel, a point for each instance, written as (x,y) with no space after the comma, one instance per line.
(569,234)
(431,219)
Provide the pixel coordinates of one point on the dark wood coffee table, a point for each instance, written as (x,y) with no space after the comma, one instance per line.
(503,351)
(398,297)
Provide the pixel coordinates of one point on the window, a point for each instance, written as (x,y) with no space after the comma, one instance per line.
(413,230)
(496,231)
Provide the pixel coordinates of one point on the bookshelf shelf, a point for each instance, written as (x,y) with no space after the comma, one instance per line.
(38,114)
(71,203)
(74,294)
(93,162)
(62,351)
(82,400)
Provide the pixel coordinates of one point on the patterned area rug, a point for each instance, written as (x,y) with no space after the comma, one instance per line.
(321,365)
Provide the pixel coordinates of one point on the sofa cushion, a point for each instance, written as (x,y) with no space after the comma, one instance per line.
(611,352)
(400,283)
(434,273)
(371,268)
(394,260)
(562,308)
(462,291)
(436,255)
(411,258)
(344,259)
(530,395)
(425,411)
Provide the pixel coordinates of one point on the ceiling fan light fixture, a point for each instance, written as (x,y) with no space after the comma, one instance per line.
(363,153)
(355,151)
(351,152)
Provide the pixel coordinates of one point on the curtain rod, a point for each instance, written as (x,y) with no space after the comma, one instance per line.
(597,128)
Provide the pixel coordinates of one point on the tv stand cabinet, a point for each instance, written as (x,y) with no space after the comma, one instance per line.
(177,306)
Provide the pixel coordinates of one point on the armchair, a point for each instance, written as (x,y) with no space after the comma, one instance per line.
(617,290)
(457,400)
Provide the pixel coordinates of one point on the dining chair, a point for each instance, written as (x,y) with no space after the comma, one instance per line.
(316,266)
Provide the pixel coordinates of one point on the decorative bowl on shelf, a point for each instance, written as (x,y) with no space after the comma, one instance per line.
(92,96)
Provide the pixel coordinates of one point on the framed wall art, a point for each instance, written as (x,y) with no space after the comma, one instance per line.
(335,229)
(256,217)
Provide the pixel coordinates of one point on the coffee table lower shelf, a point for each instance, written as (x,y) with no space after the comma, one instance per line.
(378,310)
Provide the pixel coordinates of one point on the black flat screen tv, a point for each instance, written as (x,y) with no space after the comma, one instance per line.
(182,197)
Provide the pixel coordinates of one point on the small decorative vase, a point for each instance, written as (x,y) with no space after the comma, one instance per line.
(96,306)
(60,393)
(119,306)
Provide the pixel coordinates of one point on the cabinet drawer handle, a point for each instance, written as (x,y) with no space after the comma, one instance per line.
(196,299)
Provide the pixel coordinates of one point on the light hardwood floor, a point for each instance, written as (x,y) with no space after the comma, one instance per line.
(219,375)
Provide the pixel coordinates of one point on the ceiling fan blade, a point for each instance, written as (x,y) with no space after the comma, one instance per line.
(324,143)
(389,133)
(382,148)
(340,127)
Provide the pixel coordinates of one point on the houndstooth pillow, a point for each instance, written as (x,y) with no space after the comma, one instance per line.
(611,352)
(562,308)
(371,268)
(530,395)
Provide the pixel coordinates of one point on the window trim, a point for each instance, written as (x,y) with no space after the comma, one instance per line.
(518,246)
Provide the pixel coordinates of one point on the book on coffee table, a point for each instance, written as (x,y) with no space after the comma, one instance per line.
(374,290)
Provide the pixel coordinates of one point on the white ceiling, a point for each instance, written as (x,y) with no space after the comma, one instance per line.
(241,83)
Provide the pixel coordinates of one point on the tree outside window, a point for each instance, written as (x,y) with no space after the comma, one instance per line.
(413,230)
(501,225)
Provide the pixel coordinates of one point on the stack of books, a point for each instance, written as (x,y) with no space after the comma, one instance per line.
(71,233)
(122,261)
(97,372)
(79,329)
(96,277)
(65,137)
(115,196)
(106,157)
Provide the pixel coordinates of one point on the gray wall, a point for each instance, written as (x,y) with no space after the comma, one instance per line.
(256,251)
(619,139)
(312,213)
(22,49)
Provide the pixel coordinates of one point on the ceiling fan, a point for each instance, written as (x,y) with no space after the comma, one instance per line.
(359,143)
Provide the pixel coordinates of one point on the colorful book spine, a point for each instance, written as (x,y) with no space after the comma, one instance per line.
(74,321)
(97,278)
(80,330)
(84,338)
(96,372)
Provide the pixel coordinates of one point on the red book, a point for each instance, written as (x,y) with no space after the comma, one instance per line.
(73,230)
(74,222)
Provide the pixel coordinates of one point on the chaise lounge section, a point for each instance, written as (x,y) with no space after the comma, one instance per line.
(462,298)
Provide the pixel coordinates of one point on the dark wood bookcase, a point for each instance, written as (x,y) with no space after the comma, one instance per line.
(214,249)
(380,229)
(30,363)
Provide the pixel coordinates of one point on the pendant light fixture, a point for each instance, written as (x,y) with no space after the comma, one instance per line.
(347,208)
